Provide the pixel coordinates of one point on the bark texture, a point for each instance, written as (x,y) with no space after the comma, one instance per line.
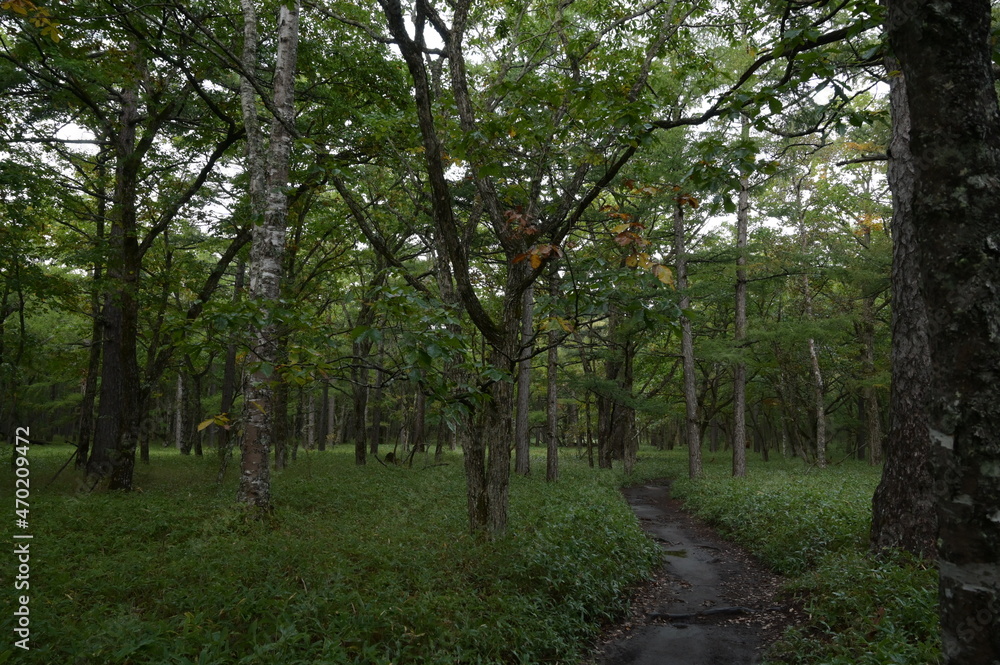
(740,336)
(944,51)
(115,433)
(265,272)
(903,513)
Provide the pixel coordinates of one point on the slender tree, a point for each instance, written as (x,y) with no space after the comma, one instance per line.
(551,391)
(692,431)
(522,442)
(740,334)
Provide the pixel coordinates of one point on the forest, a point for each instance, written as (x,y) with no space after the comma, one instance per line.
(285,281)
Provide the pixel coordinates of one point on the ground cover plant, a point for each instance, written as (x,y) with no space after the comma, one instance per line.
(357,565)
(812,525)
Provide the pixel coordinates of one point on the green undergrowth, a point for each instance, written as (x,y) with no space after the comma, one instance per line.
(812,525)
(357,565)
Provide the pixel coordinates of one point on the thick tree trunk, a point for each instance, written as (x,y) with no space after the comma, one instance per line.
(265,269)
(522,444)
(945,55)
(116,432)
(488,451)
(692,433)
(903,510)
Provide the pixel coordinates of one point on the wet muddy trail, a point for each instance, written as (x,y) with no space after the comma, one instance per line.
(711,603)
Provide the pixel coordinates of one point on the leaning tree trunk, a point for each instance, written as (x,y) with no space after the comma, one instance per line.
(945,53)
(266,264)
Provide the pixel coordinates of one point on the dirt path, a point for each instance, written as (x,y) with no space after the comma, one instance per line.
(695,610)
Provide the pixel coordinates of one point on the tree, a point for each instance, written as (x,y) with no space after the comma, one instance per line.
(692,434)
(266,267)
(529,195)
(945,54)
(903,513)
(740,334)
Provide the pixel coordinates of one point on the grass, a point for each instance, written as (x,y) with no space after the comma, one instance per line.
(813,526)
(375,565)
(358,565)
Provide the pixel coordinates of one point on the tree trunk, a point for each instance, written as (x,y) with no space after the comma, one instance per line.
(193,412)
(522,444)
(819,403)
(945,54)
(279,408)
(229,384)
(359,413)
(870,413)
(692,435)
(376,435)
(180,429)
(819,390)
(266,262)
(86,430)
(740,369)
(487,453)
(325,412)
(903,511)
(551,393)
(590,429)
(116,432)
(418,429)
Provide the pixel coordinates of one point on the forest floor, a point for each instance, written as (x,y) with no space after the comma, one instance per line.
(711,603)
